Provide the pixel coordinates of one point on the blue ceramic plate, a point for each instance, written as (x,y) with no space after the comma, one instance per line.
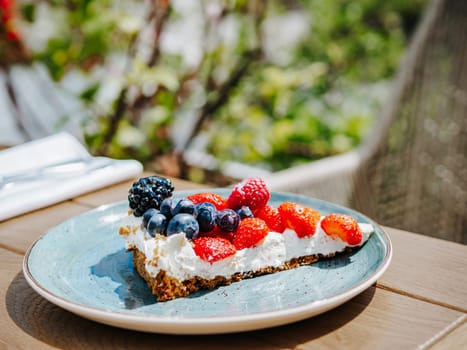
(81,265)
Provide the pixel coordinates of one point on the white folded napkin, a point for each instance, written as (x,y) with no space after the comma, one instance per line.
(61,183)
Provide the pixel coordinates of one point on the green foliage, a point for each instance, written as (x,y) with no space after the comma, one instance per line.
(311,93)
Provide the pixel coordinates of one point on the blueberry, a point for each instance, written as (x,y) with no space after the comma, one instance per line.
(183,223)
(148,214)
(184,206)
(157,224)
(204,206)
(167,208)
(227,220)
(245,212)
(206,215)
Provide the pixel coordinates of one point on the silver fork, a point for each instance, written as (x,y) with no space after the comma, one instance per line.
(63,169)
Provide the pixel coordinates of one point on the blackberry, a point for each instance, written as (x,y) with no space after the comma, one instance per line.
(149,192)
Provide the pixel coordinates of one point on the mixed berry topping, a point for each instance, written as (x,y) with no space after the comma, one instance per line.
(149,192)
(218,227)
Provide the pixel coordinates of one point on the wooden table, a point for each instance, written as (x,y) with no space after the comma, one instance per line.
(420,302)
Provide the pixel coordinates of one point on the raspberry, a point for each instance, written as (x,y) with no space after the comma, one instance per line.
(272,217)
(252,193)
(250,233)
(343,226)
(212,249)
(300,218)
(209,197)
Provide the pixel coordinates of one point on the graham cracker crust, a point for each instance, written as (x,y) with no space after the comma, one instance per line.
(167,288)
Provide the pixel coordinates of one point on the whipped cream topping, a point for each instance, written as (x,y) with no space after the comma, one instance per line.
(176,256)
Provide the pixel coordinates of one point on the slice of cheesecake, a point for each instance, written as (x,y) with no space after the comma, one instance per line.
(204,241)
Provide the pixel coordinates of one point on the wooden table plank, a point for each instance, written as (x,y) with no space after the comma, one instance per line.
(106,195)
(19,233)
(13,334)
(371,319)
(455,338)
(119,192)
(375,319)
(427,268)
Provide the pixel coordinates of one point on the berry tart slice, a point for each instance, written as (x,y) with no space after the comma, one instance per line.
(182,245)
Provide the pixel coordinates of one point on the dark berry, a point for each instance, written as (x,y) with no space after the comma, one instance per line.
(245,212)
(148,214)
(184,206)
(167,207)
(206,215)
(149,192)
(183,223)
(227,220)
(157,224)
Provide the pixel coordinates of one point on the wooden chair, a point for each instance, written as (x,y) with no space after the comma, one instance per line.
(411,172)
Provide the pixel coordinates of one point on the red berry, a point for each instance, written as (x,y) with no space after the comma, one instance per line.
(343,226)
(216,232)
(252,193)
(250,233)
(272,217)
(219,202)
(300,218)
(212,249)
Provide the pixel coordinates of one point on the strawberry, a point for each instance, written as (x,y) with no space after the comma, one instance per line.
(300,218)
(272,217)
(251,192)
(219,202)
(343,226)
(250,233)
(212,249)
(216,232)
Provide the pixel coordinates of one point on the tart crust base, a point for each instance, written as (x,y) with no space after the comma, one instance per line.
(165,287)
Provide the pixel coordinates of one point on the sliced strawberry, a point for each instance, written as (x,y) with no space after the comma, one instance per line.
(212,249)
(300,218)
(272,217)
(217,233)
(251,192)
(219,202)
(343,226)
(250,233)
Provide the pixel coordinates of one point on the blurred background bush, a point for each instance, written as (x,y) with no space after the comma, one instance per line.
(206,90)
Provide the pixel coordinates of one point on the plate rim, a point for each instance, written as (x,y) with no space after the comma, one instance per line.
(210,324)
